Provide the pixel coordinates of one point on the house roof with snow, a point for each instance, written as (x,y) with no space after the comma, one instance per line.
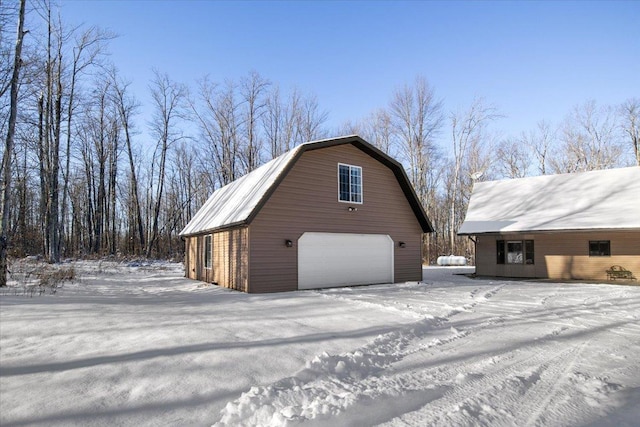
(237,203)
(596,200)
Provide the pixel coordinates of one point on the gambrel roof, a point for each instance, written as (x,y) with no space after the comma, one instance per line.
(596,200)
(239,202)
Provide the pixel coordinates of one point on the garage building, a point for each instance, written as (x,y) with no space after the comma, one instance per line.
(328,213)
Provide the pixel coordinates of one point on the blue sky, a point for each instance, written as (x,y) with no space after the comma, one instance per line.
(533,60)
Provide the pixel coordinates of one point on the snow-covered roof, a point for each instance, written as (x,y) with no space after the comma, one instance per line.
(596,200)
(236,203)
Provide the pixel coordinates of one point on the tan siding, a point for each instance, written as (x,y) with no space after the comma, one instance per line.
(229,259)
(563,255)
(190,257)
(307,200)
(194,268)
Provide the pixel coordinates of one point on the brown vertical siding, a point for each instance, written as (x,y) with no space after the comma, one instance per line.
(307,200)
(563,255)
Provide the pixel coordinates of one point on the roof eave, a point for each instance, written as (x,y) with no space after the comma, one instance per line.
(237,224)
(552,230)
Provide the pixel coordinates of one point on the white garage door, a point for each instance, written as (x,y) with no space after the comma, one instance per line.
(337,259)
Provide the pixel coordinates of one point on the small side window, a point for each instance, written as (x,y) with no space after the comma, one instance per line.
(528,252)
(207,251)
(599,248)
(500,251)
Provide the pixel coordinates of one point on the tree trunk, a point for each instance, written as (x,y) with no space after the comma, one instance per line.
(124,117)
(54,205)
(8,148)
(113,172)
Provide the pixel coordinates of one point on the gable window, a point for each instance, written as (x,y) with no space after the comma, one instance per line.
(349,183)
(599,248)
(515,252)
(207,251)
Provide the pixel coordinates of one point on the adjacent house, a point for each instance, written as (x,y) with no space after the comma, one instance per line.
(569,226)
(328,213)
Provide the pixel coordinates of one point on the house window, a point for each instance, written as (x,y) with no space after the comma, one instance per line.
(528,252)
(515,252)
(349,183)
(207,251)
(599,248)
(500,251)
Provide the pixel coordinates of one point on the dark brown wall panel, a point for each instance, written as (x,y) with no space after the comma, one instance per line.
(307,200)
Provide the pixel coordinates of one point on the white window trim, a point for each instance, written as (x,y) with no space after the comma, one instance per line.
(361,183)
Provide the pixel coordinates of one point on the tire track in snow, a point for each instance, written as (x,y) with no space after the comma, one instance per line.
(471,396)
(332,384)
(544,391)
(534,390)
(328,384)
(415,310)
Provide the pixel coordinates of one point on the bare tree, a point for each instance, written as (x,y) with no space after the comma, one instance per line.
(273,123)
(88,48)
(8,147)
(98,144)
(127,107)
(513,158)
(180,200)
(541,141)
(50,111)
(103,124)
(280,121)
(57,106)
(310,119)
(377,128)
(217,116)
(589,140)
(467,133)
(417,118)
(380,131)
(630,115)
(252,92)
(7,49)
(169,100)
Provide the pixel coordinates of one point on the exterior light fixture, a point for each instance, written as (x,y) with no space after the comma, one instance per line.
(288,243)
(402,244)
(352,209)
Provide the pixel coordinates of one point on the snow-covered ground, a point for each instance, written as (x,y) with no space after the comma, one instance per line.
(140,345)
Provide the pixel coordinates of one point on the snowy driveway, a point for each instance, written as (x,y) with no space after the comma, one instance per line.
(143,346)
